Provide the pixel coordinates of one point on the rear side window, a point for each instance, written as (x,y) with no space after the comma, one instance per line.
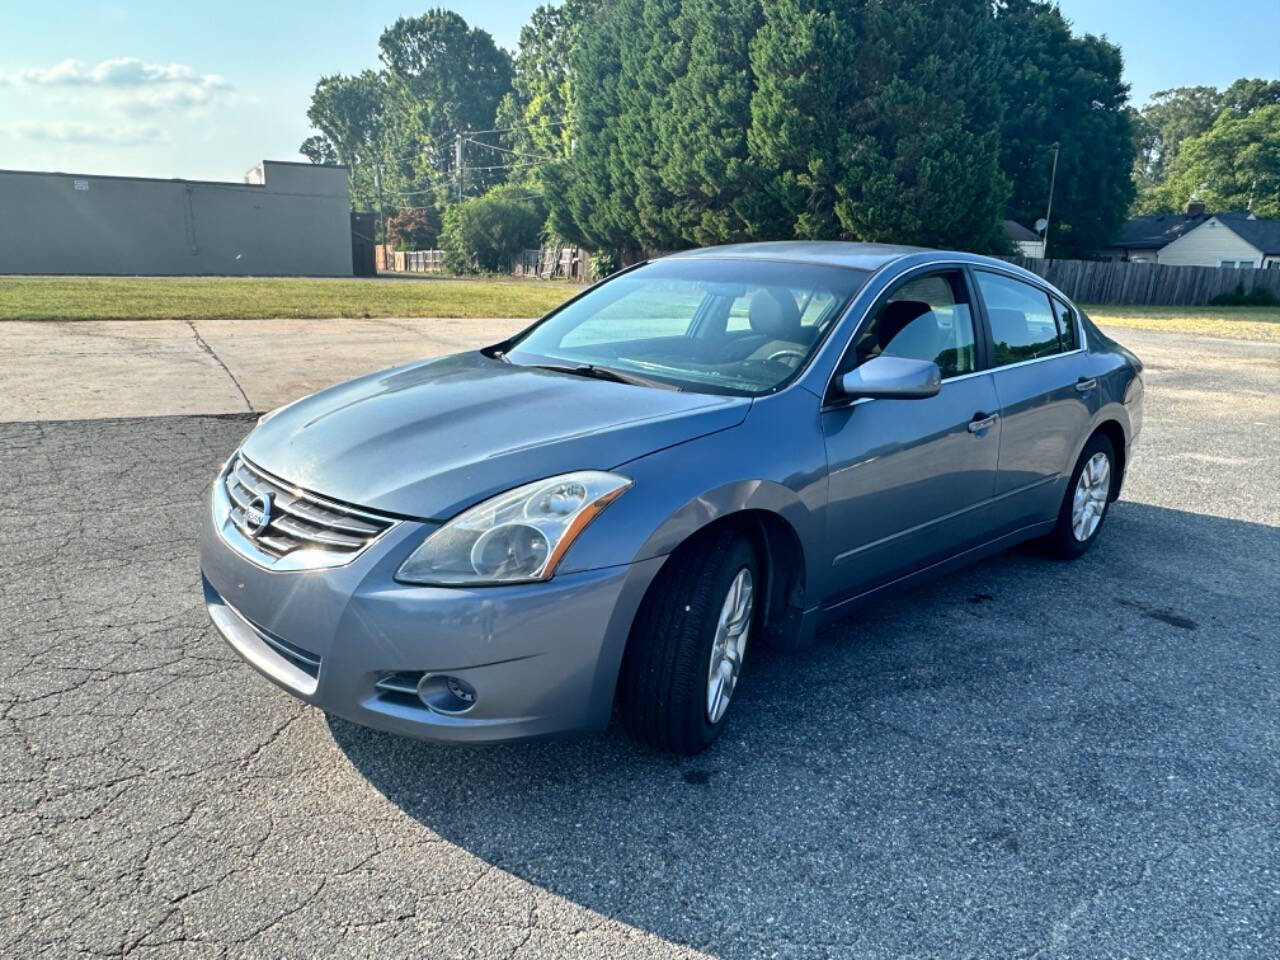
(1066,325)
(1024,324)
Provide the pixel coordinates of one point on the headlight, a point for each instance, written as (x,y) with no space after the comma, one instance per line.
(516,536)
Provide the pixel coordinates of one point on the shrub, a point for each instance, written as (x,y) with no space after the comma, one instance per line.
(1257,297)
(603,263)
(485,232)
(415,229)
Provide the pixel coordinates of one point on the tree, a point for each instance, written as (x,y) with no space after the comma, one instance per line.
(880,119)
(319,150)
(700,135)
(920,146)
(350,114)
(801,59)
(1175,117)
(1172,117)
(485,232)
(871,119)
(444,78)
(1059,88)
(1235,165)
(591,194)
(543,80)
(417,228)
(1249,94)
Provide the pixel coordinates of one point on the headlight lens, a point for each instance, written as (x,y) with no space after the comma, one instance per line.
(516,536)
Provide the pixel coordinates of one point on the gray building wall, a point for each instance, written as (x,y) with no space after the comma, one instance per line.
(296,221)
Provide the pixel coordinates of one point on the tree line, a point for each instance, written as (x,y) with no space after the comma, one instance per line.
(1221,147)
(632,125)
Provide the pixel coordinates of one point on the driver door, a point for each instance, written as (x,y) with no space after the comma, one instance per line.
(908,478)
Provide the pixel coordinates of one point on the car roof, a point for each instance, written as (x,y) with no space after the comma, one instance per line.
(857,256)
(833,253)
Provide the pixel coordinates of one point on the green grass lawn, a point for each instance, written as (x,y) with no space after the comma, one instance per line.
(1236,323)
(206,298)
(251,298)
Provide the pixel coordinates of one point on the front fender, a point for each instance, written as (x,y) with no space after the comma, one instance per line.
(774,461)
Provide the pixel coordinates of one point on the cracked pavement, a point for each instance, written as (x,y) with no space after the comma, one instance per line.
(1025,759)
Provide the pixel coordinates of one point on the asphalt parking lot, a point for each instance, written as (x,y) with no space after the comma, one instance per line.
(1026,759)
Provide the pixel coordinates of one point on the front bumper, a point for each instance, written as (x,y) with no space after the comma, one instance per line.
(542,658)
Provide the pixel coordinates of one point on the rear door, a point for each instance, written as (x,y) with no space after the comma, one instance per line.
(1046,397)
(908,478)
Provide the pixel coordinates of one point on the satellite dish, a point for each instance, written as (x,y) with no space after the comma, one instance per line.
(1041,224)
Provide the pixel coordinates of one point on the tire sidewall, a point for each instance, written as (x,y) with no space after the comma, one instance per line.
(742,555)
(1065,539)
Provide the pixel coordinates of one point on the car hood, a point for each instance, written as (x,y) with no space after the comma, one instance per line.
(430,439)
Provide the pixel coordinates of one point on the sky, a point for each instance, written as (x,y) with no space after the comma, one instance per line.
(207,90)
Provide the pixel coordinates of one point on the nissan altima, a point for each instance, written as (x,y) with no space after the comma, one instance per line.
(704,452)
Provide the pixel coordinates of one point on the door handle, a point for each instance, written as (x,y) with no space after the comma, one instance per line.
(980,423)
(1084,385)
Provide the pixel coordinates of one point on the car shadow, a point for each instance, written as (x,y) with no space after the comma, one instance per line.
(951,771)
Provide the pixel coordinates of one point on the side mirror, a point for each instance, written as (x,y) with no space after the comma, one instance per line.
(892,378)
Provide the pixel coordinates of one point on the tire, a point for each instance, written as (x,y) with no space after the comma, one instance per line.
(1066,540)
(665,684)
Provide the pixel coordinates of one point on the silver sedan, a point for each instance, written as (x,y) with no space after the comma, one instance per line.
(716,449)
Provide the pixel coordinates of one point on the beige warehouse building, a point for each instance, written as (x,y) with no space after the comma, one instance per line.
(284,219)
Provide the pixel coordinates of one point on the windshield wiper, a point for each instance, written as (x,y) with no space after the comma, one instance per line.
(604,373)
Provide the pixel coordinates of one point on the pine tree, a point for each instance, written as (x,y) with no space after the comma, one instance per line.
(717,188)
(801,57)
(1064,89)
(921,136)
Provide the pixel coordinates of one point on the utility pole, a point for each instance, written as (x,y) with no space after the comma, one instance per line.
(377,186)
(1048,213)
(457,162)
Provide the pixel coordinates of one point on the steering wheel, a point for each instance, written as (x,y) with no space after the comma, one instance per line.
(781,355)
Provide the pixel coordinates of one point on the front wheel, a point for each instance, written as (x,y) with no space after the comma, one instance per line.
(1084,506)
(686,650)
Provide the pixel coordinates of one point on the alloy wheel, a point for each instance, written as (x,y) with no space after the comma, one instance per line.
(1090,500)
(730,644)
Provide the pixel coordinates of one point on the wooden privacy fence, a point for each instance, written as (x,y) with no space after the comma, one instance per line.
(409,261)
(1119,283)
(562,260)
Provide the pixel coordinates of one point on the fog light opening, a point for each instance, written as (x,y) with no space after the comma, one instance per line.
(445,694)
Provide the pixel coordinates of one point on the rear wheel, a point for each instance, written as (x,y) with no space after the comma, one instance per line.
(1085,504)
(687,646)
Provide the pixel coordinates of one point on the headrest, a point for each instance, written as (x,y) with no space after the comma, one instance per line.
(1008,326)
(895,317)
(775,314)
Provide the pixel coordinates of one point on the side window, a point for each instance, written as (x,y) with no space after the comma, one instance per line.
(1023,325)
(928,318)
(1066,325)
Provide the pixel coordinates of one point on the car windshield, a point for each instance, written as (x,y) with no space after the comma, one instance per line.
(718,326)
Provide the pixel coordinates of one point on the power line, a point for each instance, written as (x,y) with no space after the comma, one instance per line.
(521,126)
(514,153)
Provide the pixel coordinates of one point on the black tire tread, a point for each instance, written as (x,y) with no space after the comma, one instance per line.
(661,687)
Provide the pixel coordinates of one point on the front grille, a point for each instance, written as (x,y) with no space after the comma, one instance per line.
(299,523)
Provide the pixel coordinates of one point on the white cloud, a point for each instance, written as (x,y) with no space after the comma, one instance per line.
(44,132)
(128,84)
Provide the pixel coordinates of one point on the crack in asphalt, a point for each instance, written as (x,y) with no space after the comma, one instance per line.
(200,341)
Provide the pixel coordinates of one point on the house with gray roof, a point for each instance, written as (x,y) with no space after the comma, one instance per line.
(1200,239)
